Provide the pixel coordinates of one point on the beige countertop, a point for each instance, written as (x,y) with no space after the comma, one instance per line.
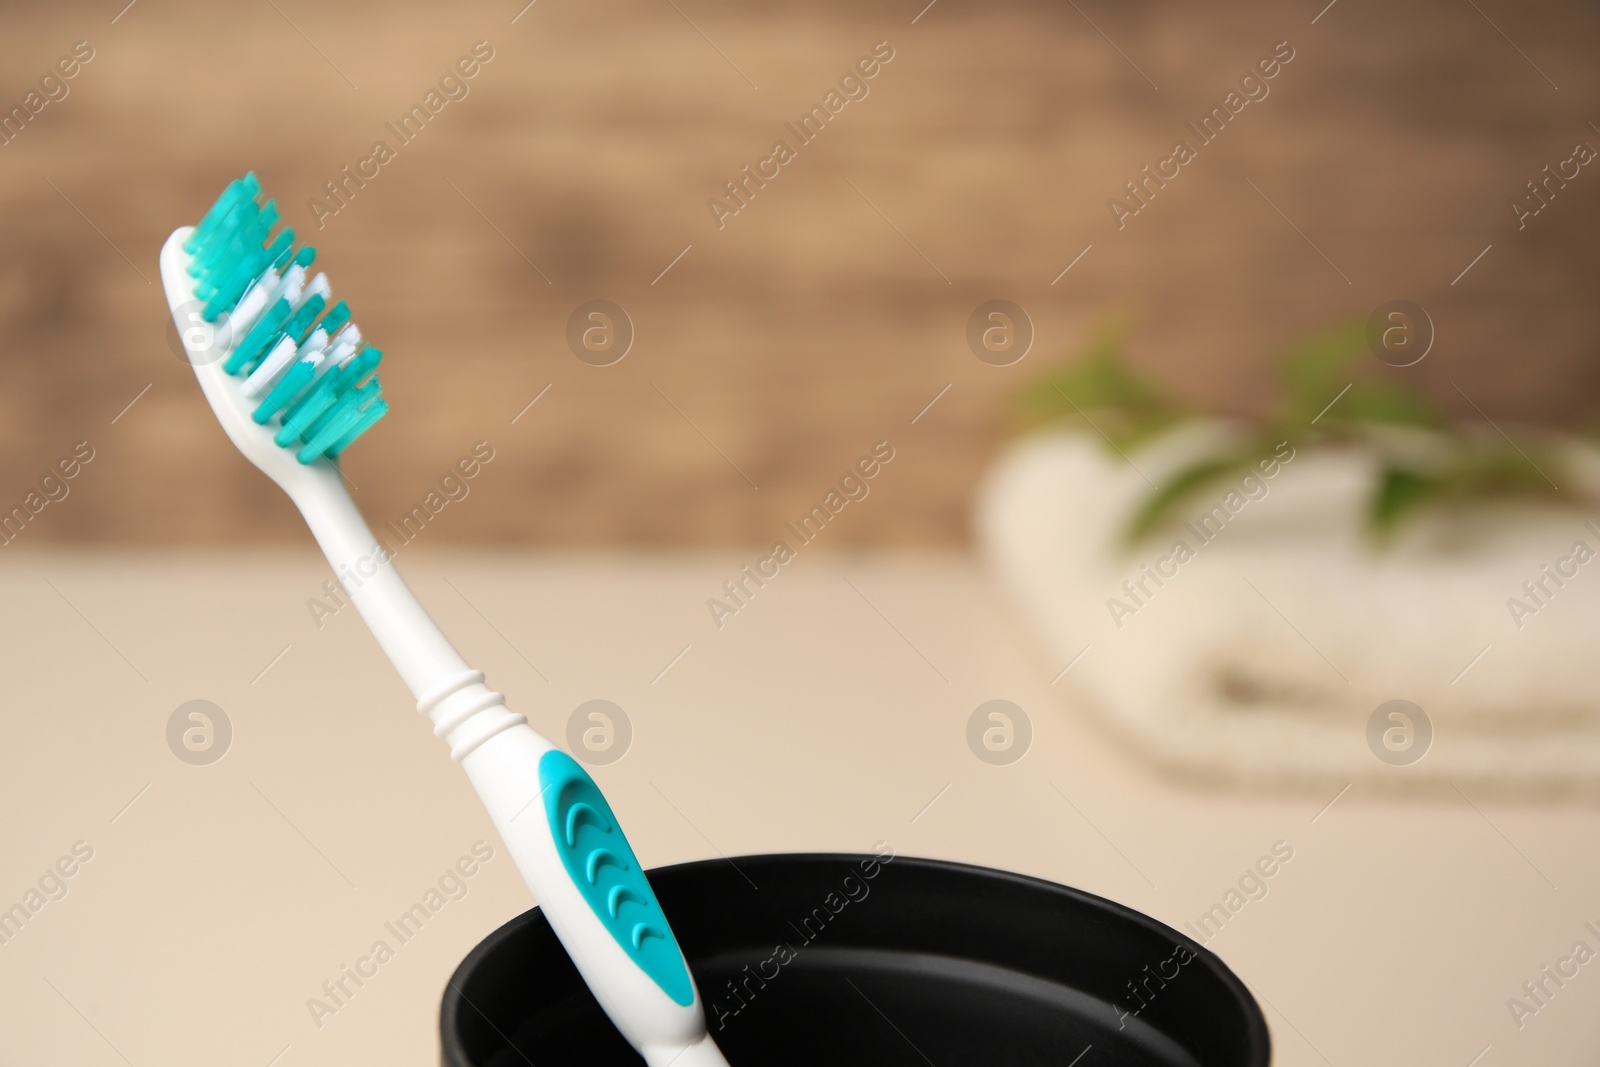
(830,712)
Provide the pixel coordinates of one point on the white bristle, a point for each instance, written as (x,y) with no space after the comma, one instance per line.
(294,280)
(344,344)
(253,303)
(267,291)
(261,379)
(319,285)
(314,344)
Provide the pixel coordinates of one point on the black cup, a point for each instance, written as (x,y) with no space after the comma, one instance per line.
(854,960)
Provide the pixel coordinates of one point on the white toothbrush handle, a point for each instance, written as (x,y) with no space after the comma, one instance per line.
(553,819)
(664,1030)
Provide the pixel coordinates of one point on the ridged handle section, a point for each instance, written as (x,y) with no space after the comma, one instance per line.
(568,845)
(602,865)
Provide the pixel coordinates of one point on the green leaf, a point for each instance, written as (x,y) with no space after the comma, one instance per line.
(1399,493)
(1494,465)
(1102,394)
(1102,391)
(1475,471)
(1316,370)
(1156,509)
(1386,402)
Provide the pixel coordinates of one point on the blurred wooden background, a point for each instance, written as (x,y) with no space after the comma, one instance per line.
(827,314)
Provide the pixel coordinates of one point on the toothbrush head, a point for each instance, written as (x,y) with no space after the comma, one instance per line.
(289,375)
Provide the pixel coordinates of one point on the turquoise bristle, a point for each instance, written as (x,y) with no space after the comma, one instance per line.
(299,325)
(262,336)
(242,227)
(336,414)
(341,421)
(336,317)
(224,204)
(246,270)
(320,407)
(304,413)
(217,220)
(311,406)
(374,411)
(244,254)
(288,387)
(286,239)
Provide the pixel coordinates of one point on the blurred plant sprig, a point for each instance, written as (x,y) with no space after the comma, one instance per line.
(1424,458)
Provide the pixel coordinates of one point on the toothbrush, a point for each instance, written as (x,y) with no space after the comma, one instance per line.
(293,383)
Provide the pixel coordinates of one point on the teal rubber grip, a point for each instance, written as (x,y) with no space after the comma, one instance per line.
(602,865)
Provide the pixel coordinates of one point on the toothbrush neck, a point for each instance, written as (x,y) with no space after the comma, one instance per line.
(428,663)
(466,713)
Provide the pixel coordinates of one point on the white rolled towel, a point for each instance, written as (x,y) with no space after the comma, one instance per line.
(1256,642)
